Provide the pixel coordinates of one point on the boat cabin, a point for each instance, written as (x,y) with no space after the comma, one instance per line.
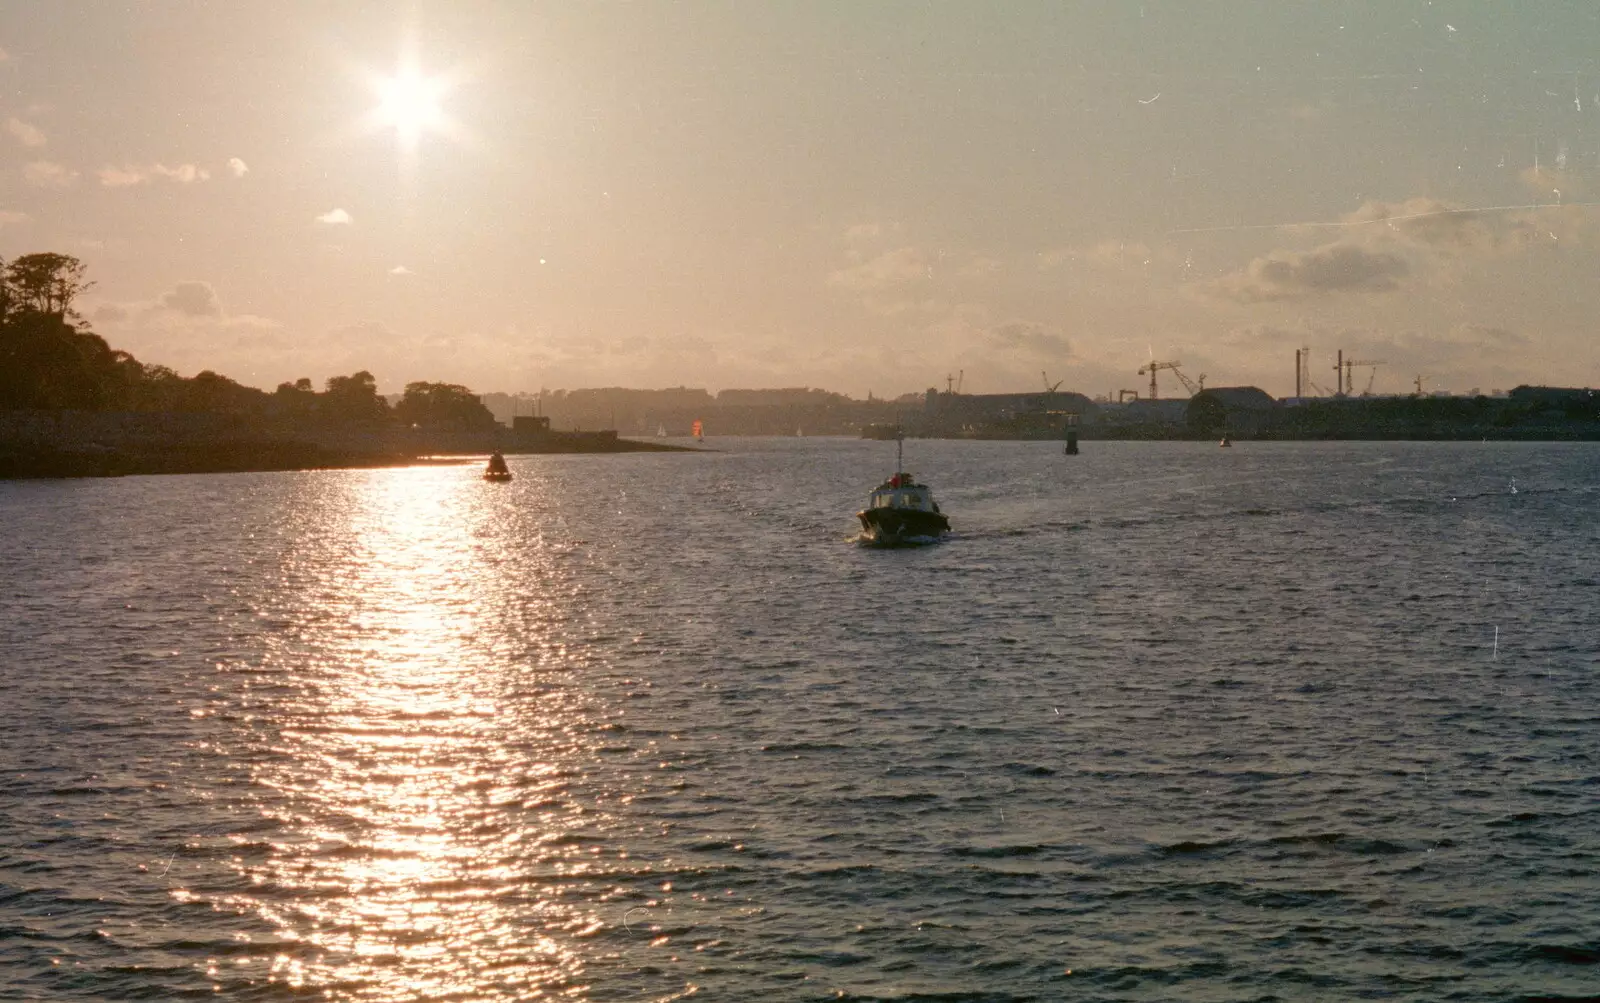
(900,491)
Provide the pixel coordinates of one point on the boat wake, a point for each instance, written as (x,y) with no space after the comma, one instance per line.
(899,543)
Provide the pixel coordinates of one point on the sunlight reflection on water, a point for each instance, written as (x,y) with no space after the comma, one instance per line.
(399,776)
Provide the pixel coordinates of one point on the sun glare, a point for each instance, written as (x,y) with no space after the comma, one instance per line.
(410,104)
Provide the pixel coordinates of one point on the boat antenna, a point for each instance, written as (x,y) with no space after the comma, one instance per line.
(899,451)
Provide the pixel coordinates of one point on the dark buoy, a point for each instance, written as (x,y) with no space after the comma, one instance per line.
(1072,434)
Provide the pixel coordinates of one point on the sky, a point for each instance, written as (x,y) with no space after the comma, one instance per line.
(858,196)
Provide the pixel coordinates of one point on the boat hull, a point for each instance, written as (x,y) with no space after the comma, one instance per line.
(891,526)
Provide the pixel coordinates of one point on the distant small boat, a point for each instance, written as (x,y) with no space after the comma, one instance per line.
(1225,444)
(698,430)
(661,431)
(497,470)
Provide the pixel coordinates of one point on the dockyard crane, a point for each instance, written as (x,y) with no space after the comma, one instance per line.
(1188,384)
(1152,367)
(1417,380)
(1049,387)
(1350,364)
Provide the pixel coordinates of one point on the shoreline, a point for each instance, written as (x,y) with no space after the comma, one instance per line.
(46,462)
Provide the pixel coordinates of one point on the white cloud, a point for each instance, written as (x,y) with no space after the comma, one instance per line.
(401,270)
(195,299)
(24,132)
(238,167)
(121,177)
(130,174)
(46,174)
(334,217)
(4,55)
(7,216)
(183,174)
(892,268)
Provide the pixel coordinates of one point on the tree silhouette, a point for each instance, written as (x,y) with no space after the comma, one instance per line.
(442,405)
(45,283)
(354,398)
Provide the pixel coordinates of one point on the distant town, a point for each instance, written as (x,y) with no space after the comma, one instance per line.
(1240,412)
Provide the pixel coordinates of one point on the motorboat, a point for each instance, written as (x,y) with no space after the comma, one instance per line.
(902,511)
(1225,443)
(497,470)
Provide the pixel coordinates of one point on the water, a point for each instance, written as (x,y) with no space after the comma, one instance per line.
(1286,721)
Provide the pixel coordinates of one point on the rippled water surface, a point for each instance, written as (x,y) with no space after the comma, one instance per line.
(1286,721)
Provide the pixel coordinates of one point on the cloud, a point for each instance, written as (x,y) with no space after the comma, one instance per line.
(891,268)
(1560,183)
(121,177)
(183,173)
(401,270)
(1440,225)
(193,299)
(1334,268)
(188,329)
(129,174)
(8,217)
(334,217)
(4,56)
(24,132)
(46,174)
(238,167)
(1026,336)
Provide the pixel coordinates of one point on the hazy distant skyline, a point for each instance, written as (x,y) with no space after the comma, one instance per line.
(849,196)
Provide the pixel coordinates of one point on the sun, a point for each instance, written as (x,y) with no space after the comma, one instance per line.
(410,103)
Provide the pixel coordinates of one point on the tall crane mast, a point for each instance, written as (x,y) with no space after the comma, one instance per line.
(1152,367)
(1304,358)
